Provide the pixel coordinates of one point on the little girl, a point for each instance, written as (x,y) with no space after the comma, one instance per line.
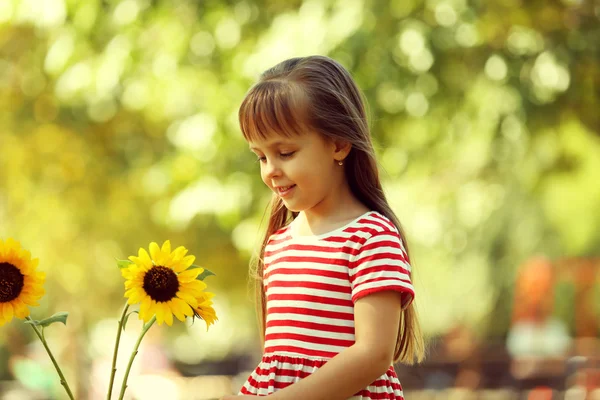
(333,278)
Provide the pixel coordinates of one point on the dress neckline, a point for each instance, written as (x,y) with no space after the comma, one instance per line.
(293,229)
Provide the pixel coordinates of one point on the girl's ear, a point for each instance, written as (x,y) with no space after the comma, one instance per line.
(341,149)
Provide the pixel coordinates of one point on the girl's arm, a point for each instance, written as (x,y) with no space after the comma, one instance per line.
(376,319)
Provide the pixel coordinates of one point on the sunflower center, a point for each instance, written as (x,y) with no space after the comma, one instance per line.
(11,282)
(161,283)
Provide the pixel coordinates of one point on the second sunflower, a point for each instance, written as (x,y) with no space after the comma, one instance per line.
(162,283)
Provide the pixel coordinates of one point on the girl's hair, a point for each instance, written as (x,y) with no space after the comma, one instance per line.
(316,93)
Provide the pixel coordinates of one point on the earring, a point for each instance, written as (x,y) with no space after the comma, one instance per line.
(340,162)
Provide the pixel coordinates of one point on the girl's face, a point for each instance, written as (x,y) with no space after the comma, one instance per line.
(301,169)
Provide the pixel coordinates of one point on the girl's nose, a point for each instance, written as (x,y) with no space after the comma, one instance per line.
(271,170)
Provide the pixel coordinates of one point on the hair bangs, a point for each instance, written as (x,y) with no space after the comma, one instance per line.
(273,107)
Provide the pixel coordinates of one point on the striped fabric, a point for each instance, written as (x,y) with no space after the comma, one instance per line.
(311,284)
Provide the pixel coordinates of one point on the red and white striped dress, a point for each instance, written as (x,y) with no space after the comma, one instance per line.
(311,285)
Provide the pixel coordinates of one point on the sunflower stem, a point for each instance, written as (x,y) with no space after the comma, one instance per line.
(133,354)
(63,380)
(114,360)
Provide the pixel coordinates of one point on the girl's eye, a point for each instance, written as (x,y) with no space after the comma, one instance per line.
(282,155)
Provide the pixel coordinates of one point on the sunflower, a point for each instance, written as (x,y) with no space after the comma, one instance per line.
(20,284)
(204,310)
(162,283)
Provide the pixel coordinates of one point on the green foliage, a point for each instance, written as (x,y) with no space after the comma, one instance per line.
(126,318)
(204,273)
(124,263)
(58,317)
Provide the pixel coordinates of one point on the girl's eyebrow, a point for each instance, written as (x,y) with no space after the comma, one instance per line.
(274,144)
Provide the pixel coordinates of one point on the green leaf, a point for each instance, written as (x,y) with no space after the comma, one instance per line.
(127,317)
(58,317)
(124,263)
(204,273)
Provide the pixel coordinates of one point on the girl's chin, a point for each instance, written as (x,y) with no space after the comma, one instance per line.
(291,206)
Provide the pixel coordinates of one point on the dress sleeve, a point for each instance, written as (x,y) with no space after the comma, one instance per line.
(382,264)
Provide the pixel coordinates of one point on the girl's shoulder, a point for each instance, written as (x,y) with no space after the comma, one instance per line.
(375,222)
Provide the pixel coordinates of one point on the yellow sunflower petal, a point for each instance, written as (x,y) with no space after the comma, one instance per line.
(178,267)
(194,285)
(168,314)
(190,290)
(143,317)
(145,305)
(175,311)
(158,255)
(137,275)
(135,295)
(160,313)
(147,312)
(20,309)
(28,299)
(33,281)
(155,252)
(130,284)
(154,308)
(134,259)
(180,308)
(208,314)
(205,296)
(183,264)
(189,275)
(25,255)
(178,254)
(188,260)
(7,311)
(40,276)
(25,267)
(128,273)
(188,298)
(32,291)
(144,259)
(140,295)
(166,247)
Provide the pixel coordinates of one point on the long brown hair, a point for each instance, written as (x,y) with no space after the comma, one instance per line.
(318,93)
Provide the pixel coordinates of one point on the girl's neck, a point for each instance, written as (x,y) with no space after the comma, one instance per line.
(323,219)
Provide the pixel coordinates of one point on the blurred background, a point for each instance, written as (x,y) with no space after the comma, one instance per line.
(118,127)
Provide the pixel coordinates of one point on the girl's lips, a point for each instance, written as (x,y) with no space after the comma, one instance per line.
(285,190)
